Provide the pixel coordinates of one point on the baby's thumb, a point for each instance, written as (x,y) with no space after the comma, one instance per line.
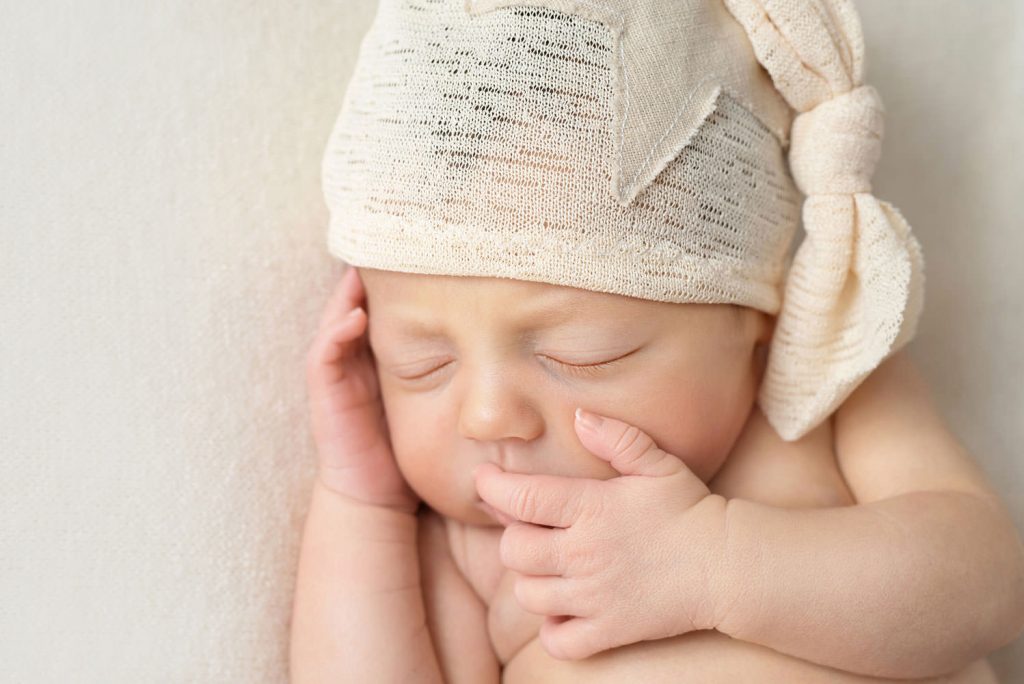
(629,450)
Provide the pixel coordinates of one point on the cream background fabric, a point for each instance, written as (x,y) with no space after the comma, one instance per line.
(162,266)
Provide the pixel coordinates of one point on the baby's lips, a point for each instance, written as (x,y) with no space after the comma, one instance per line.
(500,516)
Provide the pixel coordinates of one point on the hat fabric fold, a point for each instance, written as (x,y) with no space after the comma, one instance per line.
(855,290)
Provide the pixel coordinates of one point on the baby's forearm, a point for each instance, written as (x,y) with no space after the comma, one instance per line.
(358,614)
(917,585)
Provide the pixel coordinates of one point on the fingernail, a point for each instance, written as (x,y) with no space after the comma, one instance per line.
(352,313)
(590,421)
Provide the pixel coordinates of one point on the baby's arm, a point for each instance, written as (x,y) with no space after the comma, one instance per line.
(922,577)
(358,614)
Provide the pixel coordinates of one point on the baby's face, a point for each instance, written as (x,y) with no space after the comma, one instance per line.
(479,369)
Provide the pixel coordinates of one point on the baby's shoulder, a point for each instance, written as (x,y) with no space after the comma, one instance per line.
(764,467)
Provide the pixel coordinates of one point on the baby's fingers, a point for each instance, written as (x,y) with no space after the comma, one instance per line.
(532,550)
(549,500)
(548,595)
(348,293)
(334,345)
(574,638)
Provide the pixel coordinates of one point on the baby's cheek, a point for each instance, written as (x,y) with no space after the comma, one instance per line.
(693,420)
(419,435)
(580,463)
(442,480)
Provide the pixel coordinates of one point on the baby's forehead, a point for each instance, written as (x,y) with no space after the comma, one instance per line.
(425,295)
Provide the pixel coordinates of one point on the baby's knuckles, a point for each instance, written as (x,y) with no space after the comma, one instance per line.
(610,547)
(588,555)
(518,549)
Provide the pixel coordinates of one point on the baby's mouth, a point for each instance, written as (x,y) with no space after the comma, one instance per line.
(502,518)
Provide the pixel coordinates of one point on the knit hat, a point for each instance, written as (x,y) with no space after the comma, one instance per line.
(665,150)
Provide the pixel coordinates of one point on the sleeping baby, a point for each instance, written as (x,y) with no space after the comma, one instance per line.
(576,420)
(786,567)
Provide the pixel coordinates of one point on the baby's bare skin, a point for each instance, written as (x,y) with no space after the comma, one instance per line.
(762,468)
(494,399)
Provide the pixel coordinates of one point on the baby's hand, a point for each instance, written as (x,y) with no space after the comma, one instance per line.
(633,558)
(348,423)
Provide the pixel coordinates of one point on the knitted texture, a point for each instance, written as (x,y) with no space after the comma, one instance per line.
(487,153)
(636,149)
(855,290)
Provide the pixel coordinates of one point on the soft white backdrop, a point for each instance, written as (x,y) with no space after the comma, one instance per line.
(163,265)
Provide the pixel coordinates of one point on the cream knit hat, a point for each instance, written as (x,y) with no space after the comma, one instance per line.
(637,148)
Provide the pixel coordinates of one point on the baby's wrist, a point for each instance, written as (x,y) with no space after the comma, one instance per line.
(738,578)
(702,582)
(718,582)
(399,513)
(339,482)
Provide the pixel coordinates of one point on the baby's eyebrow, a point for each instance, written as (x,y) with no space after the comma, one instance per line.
(545,313)
(412,327)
